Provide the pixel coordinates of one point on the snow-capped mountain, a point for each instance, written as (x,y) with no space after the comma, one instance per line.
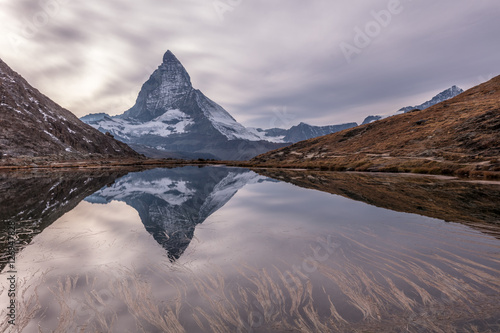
(171,118)
(171,202)
(441,97)
(33,125)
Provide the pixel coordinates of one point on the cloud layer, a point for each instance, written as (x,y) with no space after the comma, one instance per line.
(269,63)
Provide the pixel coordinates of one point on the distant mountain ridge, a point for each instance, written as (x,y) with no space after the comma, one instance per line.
(303,132)
(441,97)
(32,125)
(371,119)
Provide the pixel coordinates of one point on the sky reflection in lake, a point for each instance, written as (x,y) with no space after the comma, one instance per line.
(257,255)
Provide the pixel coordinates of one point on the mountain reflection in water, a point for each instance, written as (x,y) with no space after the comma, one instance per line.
(219,249)
(171,202)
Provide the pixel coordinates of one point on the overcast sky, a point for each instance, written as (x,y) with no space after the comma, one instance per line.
(270,63)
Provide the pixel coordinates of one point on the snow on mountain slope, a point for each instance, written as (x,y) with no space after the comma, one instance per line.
(222,120)
(171,122)
(264,135)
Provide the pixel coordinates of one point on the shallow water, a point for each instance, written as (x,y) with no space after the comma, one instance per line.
(220,249)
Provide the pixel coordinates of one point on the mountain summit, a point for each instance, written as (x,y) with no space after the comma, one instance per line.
(172,119)
(165,88)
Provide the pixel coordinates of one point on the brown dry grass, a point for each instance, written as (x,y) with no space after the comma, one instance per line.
(460,136)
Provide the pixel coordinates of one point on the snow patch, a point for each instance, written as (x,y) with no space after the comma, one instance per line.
(223,121)
(45,116)
(262,136)
(52,136)
(171,122)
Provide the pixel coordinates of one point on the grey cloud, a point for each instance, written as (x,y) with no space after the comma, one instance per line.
(262,55)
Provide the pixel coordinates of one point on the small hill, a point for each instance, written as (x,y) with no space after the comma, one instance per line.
(458,136)
(33,126)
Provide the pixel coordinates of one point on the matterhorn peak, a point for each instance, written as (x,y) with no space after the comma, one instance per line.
(168,85)
(171,118)
(169,57)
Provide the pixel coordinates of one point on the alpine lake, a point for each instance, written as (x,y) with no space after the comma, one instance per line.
(219,249)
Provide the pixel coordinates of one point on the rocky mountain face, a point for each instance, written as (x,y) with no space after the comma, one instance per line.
(32,125)
(171,118)
(458,136)
(371,119)
(441,97)
(172,202)
(302,132)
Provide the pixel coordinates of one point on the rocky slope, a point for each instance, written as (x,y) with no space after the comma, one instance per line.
(171,118)
(458,136)
(33,125)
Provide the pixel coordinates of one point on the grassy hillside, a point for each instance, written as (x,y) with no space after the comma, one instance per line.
(460,136)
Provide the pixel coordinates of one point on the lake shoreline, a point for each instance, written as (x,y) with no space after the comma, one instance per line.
(470,171)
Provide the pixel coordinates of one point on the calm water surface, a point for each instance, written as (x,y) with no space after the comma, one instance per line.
(220,249)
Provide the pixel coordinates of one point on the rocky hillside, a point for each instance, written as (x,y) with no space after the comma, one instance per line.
(458,136)
(32,125)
